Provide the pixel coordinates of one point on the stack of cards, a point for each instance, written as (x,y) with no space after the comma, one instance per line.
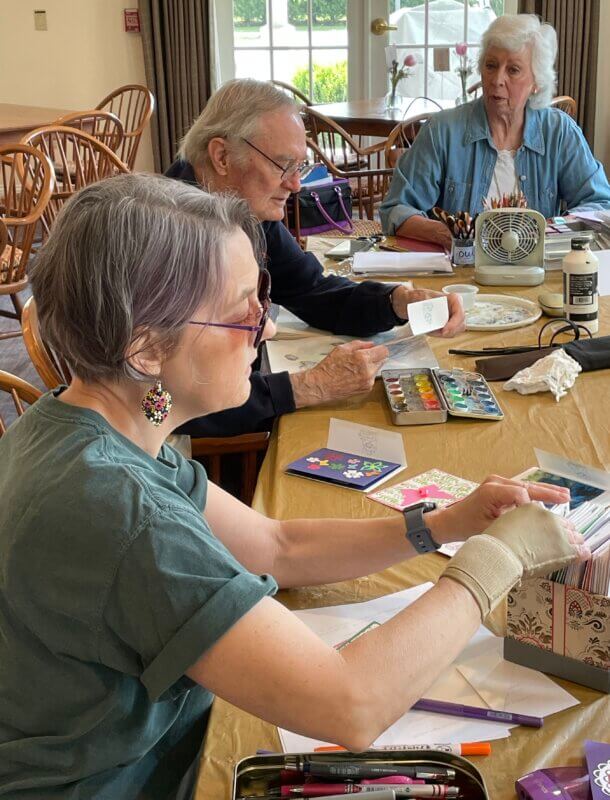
(593,521)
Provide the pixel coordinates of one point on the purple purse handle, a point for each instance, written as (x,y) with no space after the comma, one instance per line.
(322,210)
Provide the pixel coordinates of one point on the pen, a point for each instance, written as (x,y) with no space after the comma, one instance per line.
(326,789)
(474,712)
(354,770)
(464,749)
(383,794)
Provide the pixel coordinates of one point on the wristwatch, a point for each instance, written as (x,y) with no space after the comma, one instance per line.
(418,532)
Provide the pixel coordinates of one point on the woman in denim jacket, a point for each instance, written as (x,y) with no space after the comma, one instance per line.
(508,140)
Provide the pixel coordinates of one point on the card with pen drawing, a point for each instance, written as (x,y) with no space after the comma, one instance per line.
(344,469)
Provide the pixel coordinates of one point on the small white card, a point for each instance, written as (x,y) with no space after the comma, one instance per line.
(428,315)
(350,437)
(565,468)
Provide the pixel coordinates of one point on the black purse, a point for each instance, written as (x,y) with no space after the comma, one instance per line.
(321,208)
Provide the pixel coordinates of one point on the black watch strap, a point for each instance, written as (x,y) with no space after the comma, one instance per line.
(418,533)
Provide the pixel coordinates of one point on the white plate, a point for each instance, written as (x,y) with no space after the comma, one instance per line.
(495,312)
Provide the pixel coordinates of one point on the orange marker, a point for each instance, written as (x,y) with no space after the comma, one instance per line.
(464,749)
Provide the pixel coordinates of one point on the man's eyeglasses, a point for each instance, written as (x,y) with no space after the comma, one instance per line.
(300,168)
(264,299)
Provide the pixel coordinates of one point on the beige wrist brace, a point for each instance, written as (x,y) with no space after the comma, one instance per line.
(522,543)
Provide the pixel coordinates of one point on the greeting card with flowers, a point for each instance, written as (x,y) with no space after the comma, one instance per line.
(343,469)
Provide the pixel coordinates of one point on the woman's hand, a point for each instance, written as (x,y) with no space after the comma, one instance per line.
(490,500)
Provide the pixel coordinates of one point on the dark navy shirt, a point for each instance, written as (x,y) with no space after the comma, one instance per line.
(331,303)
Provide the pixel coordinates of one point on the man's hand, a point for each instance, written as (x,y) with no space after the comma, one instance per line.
(401,297)
(347,370)
(490,500)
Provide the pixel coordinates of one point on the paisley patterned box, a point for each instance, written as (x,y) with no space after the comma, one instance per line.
(561,630)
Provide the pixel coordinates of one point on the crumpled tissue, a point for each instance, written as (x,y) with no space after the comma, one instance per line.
(554,373)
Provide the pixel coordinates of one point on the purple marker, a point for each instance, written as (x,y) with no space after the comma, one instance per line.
(473,712)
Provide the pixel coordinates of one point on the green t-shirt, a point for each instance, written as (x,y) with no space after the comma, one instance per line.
(111,585)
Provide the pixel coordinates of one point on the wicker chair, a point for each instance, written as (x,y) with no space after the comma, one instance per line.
(292,90)
(26,180)
(133,105)
(363,166)
(80,159)
(401,138)
(20,391)
(565,103)
(103,125)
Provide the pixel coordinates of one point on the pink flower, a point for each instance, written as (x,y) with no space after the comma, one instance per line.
(461,49)
(410,60)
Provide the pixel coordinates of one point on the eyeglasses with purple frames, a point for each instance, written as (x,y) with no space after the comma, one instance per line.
(264,298)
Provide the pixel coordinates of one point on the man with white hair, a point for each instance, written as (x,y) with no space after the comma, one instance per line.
(250,140)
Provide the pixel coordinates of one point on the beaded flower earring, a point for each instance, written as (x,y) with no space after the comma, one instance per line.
(157,404)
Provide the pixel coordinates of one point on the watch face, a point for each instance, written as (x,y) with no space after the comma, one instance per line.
(424,505)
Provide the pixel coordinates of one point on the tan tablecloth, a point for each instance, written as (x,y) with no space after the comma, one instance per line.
(578,426)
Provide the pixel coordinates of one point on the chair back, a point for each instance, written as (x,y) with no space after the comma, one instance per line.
(52,369)
(133,105)
(103,125)
(474,89)
(79,159)
(565,103)
(296,93)
(364,167)
(26,182)
(401,138)
(20,391)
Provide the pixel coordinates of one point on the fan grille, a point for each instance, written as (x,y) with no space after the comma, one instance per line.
(508,237)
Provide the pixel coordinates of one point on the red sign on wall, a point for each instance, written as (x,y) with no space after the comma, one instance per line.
(132,20)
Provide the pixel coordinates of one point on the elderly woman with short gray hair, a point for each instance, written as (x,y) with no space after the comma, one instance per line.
(131,588)
(505,142)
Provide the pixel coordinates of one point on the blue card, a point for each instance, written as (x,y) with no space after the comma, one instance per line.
(343,469)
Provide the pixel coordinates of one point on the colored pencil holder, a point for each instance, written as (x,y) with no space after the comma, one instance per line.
(462,252)
(257,774)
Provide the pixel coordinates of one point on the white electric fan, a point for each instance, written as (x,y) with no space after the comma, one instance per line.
(509,247)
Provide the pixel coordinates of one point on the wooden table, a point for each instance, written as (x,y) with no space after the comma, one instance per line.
(16,120)
(372,118)
(577,426)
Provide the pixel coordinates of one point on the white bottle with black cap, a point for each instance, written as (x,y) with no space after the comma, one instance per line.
(580,284)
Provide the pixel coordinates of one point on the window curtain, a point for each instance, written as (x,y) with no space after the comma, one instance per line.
(577,26)
(176,42)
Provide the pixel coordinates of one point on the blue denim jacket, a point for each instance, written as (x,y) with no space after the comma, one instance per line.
(452,161)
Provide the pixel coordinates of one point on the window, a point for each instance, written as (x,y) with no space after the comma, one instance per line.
(301,42)
(430,30)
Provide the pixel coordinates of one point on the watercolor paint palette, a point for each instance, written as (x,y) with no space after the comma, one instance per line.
(423,396)
(343,469)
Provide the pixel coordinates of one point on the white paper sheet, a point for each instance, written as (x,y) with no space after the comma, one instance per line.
(566,468)
(428,315)
(526,690)
(511,687)
(363,440)
(380,263)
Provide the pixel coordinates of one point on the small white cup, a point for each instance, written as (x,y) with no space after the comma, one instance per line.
(467,292)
